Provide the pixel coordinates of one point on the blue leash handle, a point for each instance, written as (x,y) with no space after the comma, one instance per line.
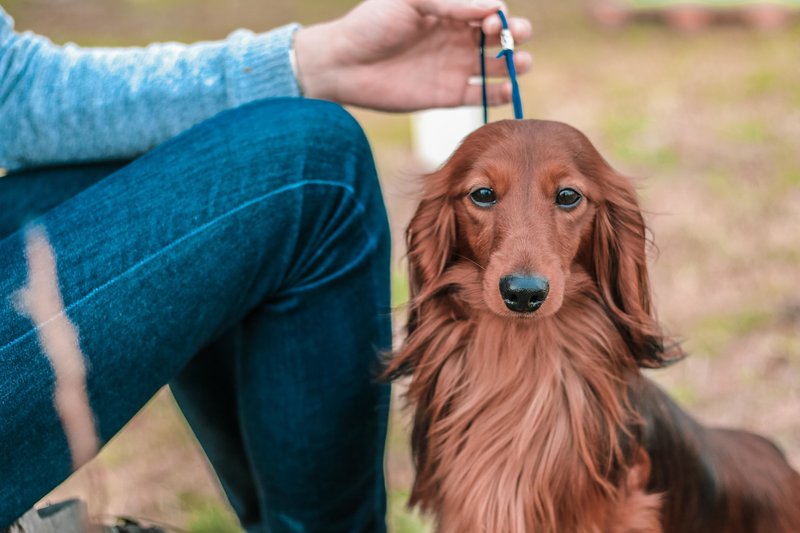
(507,42)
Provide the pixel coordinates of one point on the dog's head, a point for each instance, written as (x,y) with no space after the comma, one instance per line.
(527,203)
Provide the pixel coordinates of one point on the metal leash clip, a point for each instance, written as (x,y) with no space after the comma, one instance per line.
(507,52)
(506,39)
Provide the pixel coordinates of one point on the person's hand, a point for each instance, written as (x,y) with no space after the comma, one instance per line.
(404,55)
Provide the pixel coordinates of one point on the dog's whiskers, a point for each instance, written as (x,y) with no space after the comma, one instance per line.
(471,261)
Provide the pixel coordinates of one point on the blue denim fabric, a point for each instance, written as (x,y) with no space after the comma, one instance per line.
(247,261)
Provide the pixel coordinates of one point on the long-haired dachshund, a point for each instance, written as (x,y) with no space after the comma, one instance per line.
(529,321)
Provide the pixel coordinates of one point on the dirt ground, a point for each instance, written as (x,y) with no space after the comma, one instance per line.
(708,124)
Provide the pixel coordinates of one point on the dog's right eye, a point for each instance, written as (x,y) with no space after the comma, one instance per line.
(568,198)
(483,197)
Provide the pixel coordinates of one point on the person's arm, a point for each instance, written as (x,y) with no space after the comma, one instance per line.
(70,104)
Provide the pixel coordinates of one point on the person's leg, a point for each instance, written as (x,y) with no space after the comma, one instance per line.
(206,388)
(269,210)
(29,194)
(206,391)
(295,405)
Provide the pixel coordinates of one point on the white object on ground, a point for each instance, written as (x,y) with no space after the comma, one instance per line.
(436,133)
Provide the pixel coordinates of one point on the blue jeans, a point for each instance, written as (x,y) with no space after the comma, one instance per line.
(246,262)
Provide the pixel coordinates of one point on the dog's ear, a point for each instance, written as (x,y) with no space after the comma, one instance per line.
(431,241)
(431,236)
(620,268)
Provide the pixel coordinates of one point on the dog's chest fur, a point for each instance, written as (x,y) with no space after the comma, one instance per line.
(524,423)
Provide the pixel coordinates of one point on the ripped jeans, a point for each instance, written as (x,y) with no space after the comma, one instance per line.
(246,263)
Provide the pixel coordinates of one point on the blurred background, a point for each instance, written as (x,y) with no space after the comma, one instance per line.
(700,102)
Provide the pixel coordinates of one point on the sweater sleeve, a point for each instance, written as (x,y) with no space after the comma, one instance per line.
(62,104)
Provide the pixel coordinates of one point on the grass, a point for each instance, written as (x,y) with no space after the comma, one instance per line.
(709,123)
(628,133)
(400,291)
(403,521)
(208,515)
(683,393)
(712,333)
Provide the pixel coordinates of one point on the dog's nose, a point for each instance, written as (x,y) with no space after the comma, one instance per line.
(523,293)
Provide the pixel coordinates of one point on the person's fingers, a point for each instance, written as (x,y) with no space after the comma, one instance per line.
(520,29)
(471,11)
(523,61)
(496,94)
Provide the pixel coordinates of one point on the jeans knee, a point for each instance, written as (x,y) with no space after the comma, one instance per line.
(300,124)
(317,122)
(321,134)
(317,158)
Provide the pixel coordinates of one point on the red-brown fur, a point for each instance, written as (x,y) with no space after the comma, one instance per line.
(543,422)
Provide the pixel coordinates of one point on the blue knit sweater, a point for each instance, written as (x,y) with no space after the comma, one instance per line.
(64,104)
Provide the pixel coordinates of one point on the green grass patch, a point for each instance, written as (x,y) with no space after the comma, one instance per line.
(787,171)
(404,520)
(763,83)
(205,515)
(713,332)
(626,136)
(213,519)
(748,131)
(683,393)
(400,289)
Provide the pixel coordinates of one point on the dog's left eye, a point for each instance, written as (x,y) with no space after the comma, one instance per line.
(568,198)
(483,197)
